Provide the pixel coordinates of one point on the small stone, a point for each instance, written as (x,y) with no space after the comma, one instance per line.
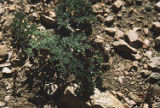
(157,6)
(126,50)
(107,48)
(100,17)
(6,70)
(148,54)
(12,8)
(35,15)
(120,79)
(154,63)
(2,11)
(109,20)
(3,53)
(117,5)
(146,31)
(98,8)
(2,104)
(134,97)
(137,57)
(148,8)
(146,105)
(146,44)
(52,14)
(48,21)
(133,39)
(135,65)
(156,105)
(1,35)
(154,77)
(7,98)
(99,40)
(156,27)
(130,102)
(157,42)
(110,31)
(119,35)
(145,73)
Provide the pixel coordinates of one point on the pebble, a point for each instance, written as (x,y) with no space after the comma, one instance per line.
(157,6)
(117,5)
(2,104)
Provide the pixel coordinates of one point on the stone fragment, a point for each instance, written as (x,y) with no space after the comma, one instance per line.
(148,54)
(105,99)
(130,102)
(157,41)
(100,17)
(146,105)
(107,47)
(110,31)
(3,53)
(134,97)
(132,38)
(50,89)
(156,105)
(48,21)
(7,98)
(119,35)
(12,8)
(157,6)
(145,73)
(99,40)
(98,8)
(1,35)
(109,20)
(2,11)
(146,44)
(2,104)
(6,70)
(154,77)
(117,5)
(156,27)
(146,31)
(154,63)
(52,14)
(125,50)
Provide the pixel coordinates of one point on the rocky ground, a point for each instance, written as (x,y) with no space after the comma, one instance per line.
(127,30)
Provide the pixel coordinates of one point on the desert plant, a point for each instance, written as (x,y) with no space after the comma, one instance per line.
(21,29)
(74,14)
(71,55)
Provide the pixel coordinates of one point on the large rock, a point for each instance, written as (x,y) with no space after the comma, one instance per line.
(124,49)
(154,64)
(133,39)
(154,77)
(105,99)
(157,6)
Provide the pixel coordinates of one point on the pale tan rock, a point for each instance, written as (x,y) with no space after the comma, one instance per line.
(157,6)
(119,35)
(12,8)
(156,27)
(133,39)
(117,5)
(146,44)
(109,20)
(52,14)
(110,30)
(3,53)
(105,99)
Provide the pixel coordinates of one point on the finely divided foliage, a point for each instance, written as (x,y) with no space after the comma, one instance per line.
(68,54)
